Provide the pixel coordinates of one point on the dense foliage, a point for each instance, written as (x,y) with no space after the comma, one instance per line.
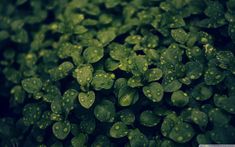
(100,73)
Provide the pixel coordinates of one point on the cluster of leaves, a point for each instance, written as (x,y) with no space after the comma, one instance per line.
(100,73)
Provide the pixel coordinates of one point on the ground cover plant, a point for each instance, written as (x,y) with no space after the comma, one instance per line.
(112,73)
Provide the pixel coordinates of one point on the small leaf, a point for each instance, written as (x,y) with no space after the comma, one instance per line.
(154,74)
(101,141)
(31,114)
(179,35)
(118,130)
(86,99)
(137,138)
(84,74)
(56,106)
(88,125)
(102,80)
(68,99)
(182,133)
(218,117)
(61,129)
(138,64)
(220,136)
(93,54)
(127,96)
(32,85)
(118,51)
(61,71)
(135,81)
(149,119)
(111,65)
(133,39)
(179,98)
(194,70)
(200,118)
(45,120)
(170,84)
(154,92)
(105,111)
(79,140)
(213,76)
(127,116)
(201,92)
(106,36)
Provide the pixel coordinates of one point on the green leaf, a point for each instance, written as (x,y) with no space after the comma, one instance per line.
(112,3)
(179,98)
(203,139)
(194,70)
(177,21)
(154,91)
(138,64)
(213,76)
(51,93)
(218,117)
(182,133)
(106,36)
(102,80)
(149,119)
(118,130)
(84,74)
(171,84)
(56,106)
(200,118)
(79,140)
(76,18)
(61,71)
(137,138)
(31,114)
(225,59)
(56,117)
(127,96)
(231,30)
(105,111)
(134,81)
(80,30)
(21,36)
(105,18)
(4,35)
(88,125)
(154,74)
(61,129)
(68,99)
(127,116)
(201,92)
(86,99)
(133,39)
(171,55)
(219,136)
(102,141)
(45,120)
(224,102)
(111,65)
(214,9)
(93,54)
(179,35)
(18,94)
(118,51)
(32,85)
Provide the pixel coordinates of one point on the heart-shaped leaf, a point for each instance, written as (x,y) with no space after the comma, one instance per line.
(61,129)
(86,99)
